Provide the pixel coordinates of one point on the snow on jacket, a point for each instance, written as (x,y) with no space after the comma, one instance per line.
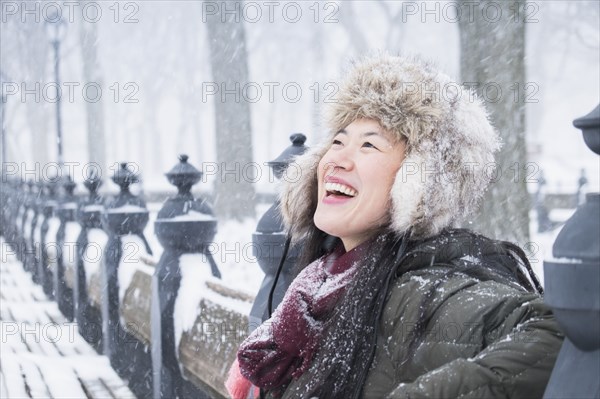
(482,339)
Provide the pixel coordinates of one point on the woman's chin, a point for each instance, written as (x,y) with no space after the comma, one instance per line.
(329,224)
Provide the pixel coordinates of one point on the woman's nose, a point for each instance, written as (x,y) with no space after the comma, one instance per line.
(342,158)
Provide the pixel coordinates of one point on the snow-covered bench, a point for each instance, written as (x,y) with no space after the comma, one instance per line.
(210,321)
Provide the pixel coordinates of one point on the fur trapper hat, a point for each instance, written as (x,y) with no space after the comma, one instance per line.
(449,153)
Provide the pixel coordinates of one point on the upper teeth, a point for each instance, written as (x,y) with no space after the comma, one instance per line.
(341,188)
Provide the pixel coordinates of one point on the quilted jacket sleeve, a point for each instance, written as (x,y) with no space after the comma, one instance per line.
(518,356)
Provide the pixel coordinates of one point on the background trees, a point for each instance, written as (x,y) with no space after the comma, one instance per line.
(155,62)
(492,62)
(234,192)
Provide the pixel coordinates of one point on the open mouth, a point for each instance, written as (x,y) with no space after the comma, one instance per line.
(340,190)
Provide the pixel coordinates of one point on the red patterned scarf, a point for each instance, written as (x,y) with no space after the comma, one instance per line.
(283,347)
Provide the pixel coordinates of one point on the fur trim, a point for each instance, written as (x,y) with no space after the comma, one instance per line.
(450,144)
(298,197)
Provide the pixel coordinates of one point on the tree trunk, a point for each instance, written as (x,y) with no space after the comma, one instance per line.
(234,192)
(96,142)
(492,40)
(34,61)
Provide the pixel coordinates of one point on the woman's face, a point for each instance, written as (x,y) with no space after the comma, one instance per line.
(355,178)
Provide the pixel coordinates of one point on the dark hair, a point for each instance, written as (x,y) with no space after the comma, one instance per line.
(315,244)
(340,366)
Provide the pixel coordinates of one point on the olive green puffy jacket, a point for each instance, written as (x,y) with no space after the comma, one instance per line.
(482,338)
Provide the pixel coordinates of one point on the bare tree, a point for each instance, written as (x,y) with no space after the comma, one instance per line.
(88,36)
(393,14)
(572,40)
(492,40)
(29,68)
(234,192)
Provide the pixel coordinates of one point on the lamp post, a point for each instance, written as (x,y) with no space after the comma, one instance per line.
(3,80)
(55,28)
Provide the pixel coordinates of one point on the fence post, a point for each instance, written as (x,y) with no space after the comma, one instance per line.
(572,279)
(125,214)
(17,213)
(89,319)
(5,201)
(9,211)
(66,213)
(183,225)
(32,222)
(269,240)
(48,207)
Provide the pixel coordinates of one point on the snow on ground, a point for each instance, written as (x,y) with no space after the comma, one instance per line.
(42,353)
(233,254)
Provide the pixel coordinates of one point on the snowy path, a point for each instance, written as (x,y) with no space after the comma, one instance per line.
(42,354)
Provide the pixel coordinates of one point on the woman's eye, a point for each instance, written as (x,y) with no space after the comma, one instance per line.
(369,145)
(336,142)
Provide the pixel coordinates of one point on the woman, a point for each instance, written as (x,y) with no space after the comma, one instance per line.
(395,302)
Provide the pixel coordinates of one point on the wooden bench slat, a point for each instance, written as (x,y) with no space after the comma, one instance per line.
(28,336)
(95,289)
(54,315)
(207,351)
(12,341)
(65,343)
(135,308)
(95,388)
(80,346)
(34,379)
(13,378)
(102,381)
(3,389)
(46,343)
(118,390)
(38,295)
(61,380)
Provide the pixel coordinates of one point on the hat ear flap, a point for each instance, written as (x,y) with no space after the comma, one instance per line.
(407,194)
(470,119)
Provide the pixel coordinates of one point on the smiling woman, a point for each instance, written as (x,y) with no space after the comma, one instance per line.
(393,300)
(355,178)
